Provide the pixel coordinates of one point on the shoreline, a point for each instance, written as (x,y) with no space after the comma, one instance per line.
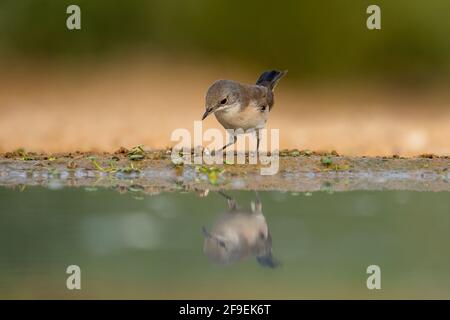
(152,172)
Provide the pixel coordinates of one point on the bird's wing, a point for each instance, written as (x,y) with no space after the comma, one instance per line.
(259,97)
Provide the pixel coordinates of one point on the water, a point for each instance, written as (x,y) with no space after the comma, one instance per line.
(140,246)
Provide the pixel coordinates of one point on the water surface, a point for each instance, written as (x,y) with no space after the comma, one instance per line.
(134,245)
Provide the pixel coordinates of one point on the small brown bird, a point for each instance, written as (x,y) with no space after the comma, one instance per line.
(239,234)
(243,106)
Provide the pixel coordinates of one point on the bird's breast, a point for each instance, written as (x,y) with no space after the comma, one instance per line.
(250,117)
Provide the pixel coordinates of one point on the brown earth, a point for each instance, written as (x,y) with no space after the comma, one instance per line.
(127,101)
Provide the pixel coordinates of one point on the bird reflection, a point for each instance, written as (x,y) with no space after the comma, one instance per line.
(239,234)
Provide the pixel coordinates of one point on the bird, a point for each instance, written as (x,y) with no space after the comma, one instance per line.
(242,106)
(239,234)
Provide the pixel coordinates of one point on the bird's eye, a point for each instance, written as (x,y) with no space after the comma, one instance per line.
(222,244)
(223,101)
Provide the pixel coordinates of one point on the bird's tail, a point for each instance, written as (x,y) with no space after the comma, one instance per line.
(268,261)
(270,78)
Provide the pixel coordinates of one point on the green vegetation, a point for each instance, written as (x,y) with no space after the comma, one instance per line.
(137,153)
(212,173)
(312,38)
(112,168)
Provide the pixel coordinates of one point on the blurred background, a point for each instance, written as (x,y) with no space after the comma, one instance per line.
(139,69)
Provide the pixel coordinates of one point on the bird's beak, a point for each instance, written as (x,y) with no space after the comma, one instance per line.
(207,112)
(206,232)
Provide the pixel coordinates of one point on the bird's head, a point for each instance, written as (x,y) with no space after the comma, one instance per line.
(222,249)
(221,95)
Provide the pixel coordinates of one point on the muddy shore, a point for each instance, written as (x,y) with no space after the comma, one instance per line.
(153,172)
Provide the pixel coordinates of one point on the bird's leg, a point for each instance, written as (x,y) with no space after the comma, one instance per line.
(223,194)
(251,152)
(228,144)
(257,205)
(232,205)
(258,199)
(258,138)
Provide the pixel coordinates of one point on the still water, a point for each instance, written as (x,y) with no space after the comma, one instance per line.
(252,245)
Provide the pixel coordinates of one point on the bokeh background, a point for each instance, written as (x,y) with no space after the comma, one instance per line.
(139,69)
